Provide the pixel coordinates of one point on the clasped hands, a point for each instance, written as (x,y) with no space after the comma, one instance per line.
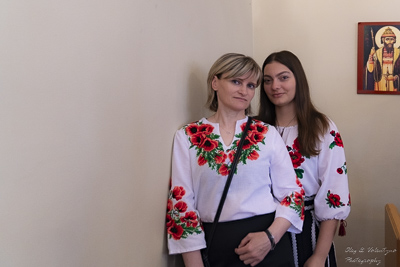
(253,248)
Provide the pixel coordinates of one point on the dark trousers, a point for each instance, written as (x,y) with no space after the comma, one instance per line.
(228,236)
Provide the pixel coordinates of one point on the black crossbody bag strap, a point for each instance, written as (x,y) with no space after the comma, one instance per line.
(228,183)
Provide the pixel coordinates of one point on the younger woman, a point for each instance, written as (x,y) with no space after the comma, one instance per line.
(316,149)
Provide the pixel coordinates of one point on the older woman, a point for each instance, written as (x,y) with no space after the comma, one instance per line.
(264,199)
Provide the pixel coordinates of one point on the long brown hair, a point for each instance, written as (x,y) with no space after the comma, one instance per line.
(311,123)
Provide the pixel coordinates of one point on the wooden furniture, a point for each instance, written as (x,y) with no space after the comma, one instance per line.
(392,235)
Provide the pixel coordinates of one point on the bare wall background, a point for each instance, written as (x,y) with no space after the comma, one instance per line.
(323,34)
(91,93)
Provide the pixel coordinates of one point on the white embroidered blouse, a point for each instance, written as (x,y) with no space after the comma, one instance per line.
(323,177)
(200,165)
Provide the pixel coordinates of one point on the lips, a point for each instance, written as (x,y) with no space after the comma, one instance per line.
(277,95)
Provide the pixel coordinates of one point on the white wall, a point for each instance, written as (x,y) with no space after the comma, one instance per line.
(91,93)
(323,34)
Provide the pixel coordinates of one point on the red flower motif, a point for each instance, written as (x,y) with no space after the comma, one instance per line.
(247,143)
(169,205)
(220,158)
(296,145)
(206,129)
(255,137)
(349,203)
(192,129)
(338,140)
(175,231)
(190,219)
(201,160)
(251,127)
(168,221)
(339,170)
(181,206)
(253,155)
(286,201)
(231,155)
(297,159)
(223,170)
(302,214)
(334,200)
(298,198)
(209,144)
(178,192)
(197,139)
(262,129)
(298,182)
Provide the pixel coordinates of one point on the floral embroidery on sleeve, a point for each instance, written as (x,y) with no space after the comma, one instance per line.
(342,169)
(337,140)
(333,200)
(296,202)
(180,222)
(210,150)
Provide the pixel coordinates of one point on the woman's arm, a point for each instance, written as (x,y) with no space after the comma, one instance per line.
(325,238)
(255,246)
(192,259)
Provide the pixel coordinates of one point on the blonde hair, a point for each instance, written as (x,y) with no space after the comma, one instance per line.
(233,65)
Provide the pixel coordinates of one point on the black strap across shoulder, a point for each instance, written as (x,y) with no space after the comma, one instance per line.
(228,183)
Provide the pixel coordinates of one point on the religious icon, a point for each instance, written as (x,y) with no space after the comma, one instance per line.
(378,58)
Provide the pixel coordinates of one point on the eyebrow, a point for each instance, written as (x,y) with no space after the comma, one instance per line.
(279,74)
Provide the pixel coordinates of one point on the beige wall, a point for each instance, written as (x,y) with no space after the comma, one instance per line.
(91,93)
(323,34)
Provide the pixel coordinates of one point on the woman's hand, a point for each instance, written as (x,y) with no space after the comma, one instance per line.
(253,248)
(315,261)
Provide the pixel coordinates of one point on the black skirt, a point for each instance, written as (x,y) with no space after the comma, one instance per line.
(228,235)
(305,242)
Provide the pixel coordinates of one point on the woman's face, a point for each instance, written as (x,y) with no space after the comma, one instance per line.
(234,94)
(279,84)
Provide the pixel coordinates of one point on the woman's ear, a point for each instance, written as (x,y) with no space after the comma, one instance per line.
(214,83)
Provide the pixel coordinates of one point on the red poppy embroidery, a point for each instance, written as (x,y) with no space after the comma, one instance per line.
(180,222)
(220,157)
(190,219)
(253,155)
(209,144)
(333,200)
(286,201)
(337,140)
(224,170)
(178,192)
(296,157)
(201,160)
(295,201)
(181,206)
(175,231)
(210,150)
